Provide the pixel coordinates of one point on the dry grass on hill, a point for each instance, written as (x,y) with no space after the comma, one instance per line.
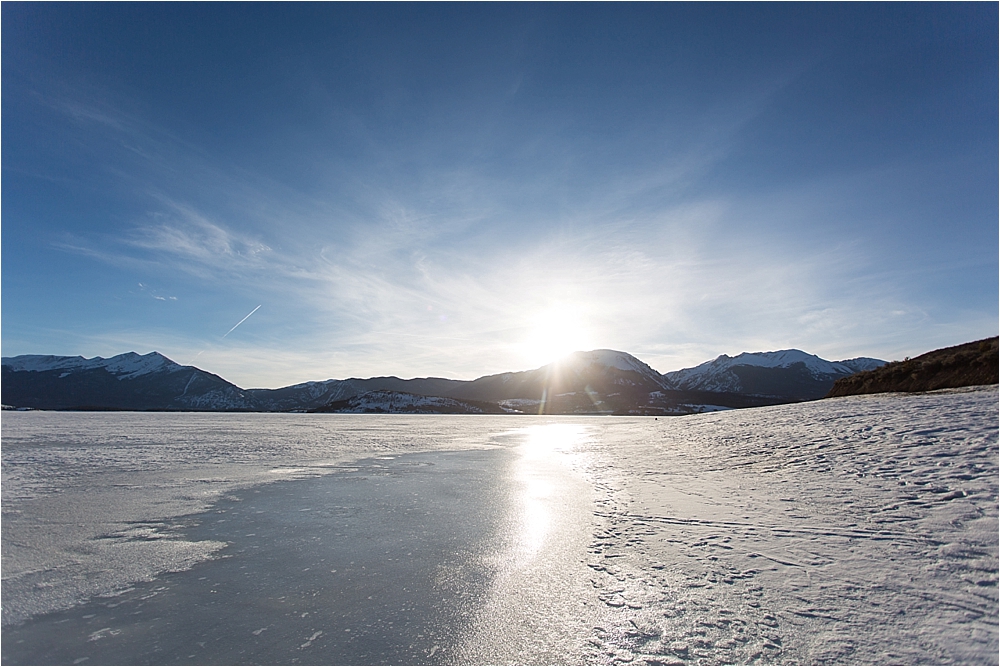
(965,365)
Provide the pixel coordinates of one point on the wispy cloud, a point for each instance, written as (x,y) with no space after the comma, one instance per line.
(438,253)
(192,242)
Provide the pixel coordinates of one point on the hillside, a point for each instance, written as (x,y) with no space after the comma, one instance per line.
(965,365)
(396,402)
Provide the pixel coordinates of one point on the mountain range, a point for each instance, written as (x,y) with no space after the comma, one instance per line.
(595,382)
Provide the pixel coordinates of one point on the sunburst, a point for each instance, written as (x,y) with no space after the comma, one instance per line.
(554,333)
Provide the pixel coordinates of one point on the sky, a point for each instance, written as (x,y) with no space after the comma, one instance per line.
(279,193)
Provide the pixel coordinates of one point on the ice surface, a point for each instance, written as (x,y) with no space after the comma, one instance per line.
(75,485)
(376,563)
(852,530)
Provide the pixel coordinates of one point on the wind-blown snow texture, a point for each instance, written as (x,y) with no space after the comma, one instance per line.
(857,530)
(852,530)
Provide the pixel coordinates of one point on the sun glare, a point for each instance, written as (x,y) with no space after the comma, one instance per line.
(552,335)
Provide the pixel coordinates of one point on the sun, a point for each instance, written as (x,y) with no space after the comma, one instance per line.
(552,334)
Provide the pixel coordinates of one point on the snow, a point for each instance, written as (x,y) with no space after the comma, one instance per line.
(614,359)
(778,359)
(859,364)
(716,375)
(859,530)
(521,404)
(45,362)
(128,365)
(610,359)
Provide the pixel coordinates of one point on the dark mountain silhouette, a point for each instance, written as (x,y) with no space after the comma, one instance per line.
(397,402)
(964,365)
(126,382)
(595,382)
(312,395)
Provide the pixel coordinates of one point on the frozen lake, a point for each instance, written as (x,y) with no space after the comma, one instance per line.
(854,530)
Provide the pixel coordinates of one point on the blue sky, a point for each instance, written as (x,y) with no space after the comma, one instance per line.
(457,190)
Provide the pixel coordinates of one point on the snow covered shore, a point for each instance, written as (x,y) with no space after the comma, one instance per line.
(852,530)
(856,530)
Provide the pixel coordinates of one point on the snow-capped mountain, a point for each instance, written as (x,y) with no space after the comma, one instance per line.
(613,360)
(128,381)
(583,382)
(128,365)
(598,381)
(859,364)
(787,373)
(313,395)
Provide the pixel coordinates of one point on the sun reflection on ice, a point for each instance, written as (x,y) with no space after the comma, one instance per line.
(545,448)
(533,612)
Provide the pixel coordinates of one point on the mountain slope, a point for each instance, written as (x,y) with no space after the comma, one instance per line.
(312,395)
(788,374)
(964,365)
(602,367)
(125,382)
(396,402)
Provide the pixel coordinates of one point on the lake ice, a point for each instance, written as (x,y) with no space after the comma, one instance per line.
(853,530)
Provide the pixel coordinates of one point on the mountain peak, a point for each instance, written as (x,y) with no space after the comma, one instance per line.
(131,364)
(780,359)
(748,372)
(623,361)
(127,365)
(859,364)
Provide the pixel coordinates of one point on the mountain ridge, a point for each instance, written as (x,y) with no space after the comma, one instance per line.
(807,376)
(600,381)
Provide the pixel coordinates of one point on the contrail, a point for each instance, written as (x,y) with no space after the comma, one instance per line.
(242,321)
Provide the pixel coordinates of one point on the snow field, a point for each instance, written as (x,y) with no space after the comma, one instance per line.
(856,530)
(853,530)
